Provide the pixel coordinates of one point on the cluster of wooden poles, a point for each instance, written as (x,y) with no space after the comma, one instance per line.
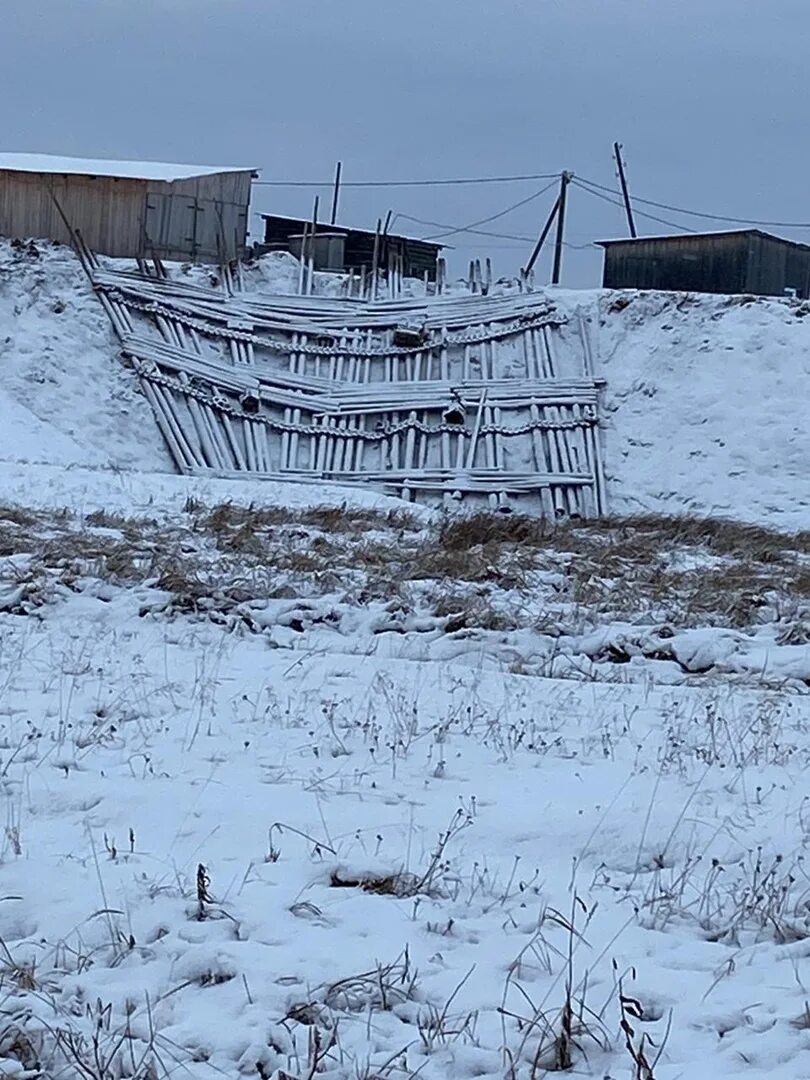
(491,397)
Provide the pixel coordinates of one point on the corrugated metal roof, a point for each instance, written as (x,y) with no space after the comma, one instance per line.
(128,170)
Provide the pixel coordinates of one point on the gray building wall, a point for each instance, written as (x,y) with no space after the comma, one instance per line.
(199,218)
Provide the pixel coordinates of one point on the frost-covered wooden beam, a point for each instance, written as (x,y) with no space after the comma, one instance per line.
(482,398)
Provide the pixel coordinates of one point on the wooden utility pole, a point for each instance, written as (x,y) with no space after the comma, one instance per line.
(336,194)
(565,180)
(617,153)
(538,247)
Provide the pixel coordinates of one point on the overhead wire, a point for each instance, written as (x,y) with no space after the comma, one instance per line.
(699,213)
(525,177)
(441,182)
(451,229)
(583,185)
(493,217)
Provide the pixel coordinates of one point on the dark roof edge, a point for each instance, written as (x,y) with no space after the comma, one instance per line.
(349,229)
(699,236)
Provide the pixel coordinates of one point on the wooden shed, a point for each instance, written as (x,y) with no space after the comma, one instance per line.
(743,261)
(341,249)
(127,209)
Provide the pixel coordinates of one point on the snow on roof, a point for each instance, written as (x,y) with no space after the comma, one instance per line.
(130,170)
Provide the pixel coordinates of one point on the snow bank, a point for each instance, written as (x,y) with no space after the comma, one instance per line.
(705,405)
(66,398)
(85,489)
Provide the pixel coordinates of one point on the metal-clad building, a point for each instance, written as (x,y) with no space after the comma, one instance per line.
(127,209)
(744,261)
(337,248)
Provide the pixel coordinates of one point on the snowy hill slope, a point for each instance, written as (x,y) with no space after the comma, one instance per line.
(65,397)
(703,409)
(705,405)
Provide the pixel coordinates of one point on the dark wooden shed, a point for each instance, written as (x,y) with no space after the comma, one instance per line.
(345,249)
(743,261)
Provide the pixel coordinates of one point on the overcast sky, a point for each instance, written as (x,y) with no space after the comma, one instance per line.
(709,98)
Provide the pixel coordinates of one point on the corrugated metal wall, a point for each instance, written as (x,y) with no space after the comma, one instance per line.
(202,218)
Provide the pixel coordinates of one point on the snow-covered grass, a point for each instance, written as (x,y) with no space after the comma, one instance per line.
(623,599)
(244,836)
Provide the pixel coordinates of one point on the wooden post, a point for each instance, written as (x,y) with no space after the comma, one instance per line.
(302,273)
(538,247)
(565,180)
(311,254)
(617,153)
(375,260)
(336,193)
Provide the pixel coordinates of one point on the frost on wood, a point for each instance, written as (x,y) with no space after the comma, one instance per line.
(487,397)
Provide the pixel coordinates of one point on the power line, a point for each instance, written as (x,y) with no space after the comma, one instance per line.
(639,213)
(407,183)
(493,217)
(452,229)
(480,232)
(702,214)
(526,177)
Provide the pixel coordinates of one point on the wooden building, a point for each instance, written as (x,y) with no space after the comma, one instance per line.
(127,209)
(743,261)
(340,249)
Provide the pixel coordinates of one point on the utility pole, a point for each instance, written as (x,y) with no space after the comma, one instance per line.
(338,171)
(565,180)
(538,247)
(617,153)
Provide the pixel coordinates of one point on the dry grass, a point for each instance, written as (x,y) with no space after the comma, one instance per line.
(464,611)
(400,885)
(633,536)
(623,566)
(684,571)
(227,517)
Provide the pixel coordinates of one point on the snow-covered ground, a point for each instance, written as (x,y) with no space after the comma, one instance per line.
(248,834)
(704,405)
(298,789)
(64,398)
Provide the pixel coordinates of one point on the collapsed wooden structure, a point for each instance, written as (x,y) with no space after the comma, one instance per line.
(434,398)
